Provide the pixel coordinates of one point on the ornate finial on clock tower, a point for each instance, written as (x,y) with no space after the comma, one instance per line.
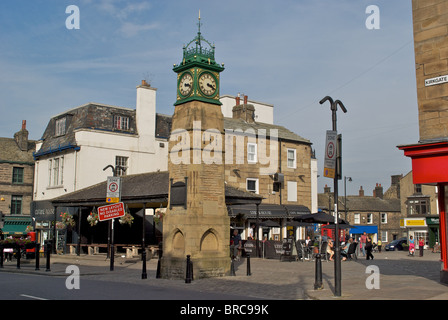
(198,73)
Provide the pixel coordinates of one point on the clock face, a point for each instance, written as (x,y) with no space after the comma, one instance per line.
(186,84)
(207,84)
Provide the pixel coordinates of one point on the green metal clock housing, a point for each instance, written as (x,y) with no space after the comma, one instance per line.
(198,73)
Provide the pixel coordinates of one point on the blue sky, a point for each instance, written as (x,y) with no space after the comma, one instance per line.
(287,53)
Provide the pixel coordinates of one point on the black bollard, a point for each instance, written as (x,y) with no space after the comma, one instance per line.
(318,285)
(1,256)
(248,265)
(158,276)
(144,275)
(48,253)
(19,253)
(36,252)
(188,275)
(232,268)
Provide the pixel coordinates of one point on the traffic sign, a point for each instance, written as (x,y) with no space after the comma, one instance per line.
(111,211)
(113,191)
(330,154)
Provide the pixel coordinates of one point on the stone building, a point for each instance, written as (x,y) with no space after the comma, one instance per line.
(16,181)
(429,154)
(378,215)
(419,210)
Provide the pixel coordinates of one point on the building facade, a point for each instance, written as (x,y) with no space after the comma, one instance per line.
(430,154)
(378,215)
(16,182)
(420,211)
(79,145)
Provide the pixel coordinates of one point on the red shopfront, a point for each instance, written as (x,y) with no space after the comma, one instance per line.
(430,166)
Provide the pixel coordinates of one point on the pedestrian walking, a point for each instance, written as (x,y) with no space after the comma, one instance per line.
(363,241)
(411,246)
(369,248)
(421,245)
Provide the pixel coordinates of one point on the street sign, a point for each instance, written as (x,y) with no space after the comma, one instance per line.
(113,189)
(437,80)
(111,211)
(330,154)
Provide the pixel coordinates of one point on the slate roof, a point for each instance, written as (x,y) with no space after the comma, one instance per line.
(144,187)
(96,117)
(283,133)
(365,203)
(10,151)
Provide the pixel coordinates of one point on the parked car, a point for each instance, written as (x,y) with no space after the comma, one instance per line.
(396,244)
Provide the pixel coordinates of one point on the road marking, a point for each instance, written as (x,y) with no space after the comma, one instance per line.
(32,297)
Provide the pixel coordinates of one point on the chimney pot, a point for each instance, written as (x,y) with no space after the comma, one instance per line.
(245,99)
(23,124)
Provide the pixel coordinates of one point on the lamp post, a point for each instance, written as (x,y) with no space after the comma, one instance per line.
(337,249)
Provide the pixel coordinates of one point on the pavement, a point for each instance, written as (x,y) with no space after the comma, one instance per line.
(396,276)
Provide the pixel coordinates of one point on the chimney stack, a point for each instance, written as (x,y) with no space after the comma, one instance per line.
(361,192)
(327,189)
(243,111)
(21,137)
(378,192)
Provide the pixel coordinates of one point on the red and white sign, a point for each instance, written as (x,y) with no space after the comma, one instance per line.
(111,211)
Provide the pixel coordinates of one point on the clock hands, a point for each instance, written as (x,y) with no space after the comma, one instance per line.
(211,86)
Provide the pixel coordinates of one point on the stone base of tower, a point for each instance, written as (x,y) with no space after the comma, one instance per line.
(202,267)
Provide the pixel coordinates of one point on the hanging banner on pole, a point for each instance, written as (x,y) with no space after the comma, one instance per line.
(330,154)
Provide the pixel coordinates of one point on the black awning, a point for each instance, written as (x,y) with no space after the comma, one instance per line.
(268,211)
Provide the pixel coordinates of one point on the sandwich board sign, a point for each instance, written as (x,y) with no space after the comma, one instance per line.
(111,211)
(330,154)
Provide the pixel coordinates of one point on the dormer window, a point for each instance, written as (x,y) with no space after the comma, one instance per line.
(60,127)
(121,122)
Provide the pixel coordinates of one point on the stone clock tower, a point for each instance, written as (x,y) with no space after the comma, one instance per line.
(196,223)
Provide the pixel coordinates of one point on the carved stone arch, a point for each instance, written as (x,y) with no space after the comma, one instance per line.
(209,241)
(178,241)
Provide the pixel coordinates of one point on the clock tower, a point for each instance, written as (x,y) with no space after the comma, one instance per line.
(198,73)
(196,224)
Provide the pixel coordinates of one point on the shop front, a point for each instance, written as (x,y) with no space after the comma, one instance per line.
(275,222)
(17,226)
(429,166)
(433,230)
(417,228)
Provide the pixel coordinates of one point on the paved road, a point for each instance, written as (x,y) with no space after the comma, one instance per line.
(400,278)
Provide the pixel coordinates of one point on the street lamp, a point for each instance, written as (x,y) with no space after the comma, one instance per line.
(337,249)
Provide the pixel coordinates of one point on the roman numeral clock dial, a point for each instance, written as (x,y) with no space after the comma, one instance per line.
(186,84)
(207,84)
